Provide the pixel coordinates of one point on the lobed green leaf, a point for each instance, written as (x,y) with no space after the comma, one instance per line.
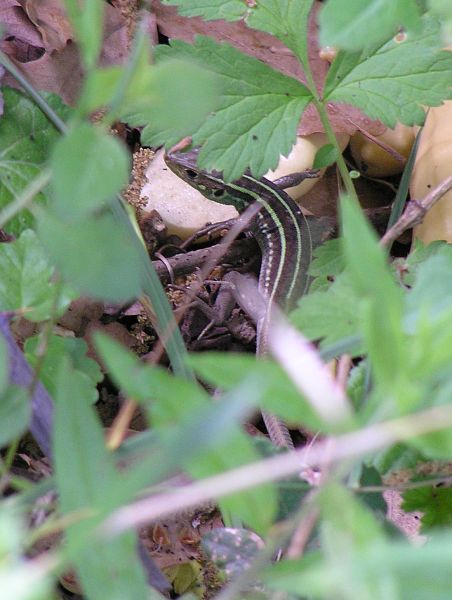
(393,82)
(258,113)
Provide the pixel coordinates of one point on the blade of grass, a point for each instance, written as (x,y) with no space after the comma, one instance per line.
(402,192)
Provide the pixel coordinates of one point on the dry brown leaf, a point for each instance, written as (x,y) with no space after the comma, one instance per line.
(49,18)
(59,70)
(270,50)
(2,72)
(17,25)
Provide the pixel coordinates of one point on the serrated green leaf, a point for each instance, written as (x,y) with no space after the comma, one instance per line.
(85,478)
(89,167)
(179,96)
(285,19)
(258,114)
(26,282)
(62,349)
(26,138)
(96,256)
(354,24)
(328,260)
(434,502)
(15,414)
(327,263)
(393,82)
(329,315)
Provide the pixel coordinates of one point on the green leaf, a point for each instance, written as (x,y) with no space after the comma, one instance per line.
(327,263)
(325,156)
(26,283)
(397,570)
(258,113)
(60,350)
(96,256)
(374,500)
(349,534)
(179,96)
(285,19)
(346,518)
(15,414)
(434,502)
(328,260)
(89,167)
(278,394)
(85,478)
(393,82)
(354,24)
(441,8)
(26,138)
(396,458)
(381,298)
(330,315)
(431,292)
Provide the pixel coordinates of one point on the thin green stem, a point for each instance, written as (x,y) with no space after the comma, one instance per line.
(323,114)
(343,170)
(11,453)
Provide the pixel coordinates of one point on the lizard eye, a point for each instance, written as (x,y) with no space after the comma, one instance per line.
(191,174)
(218,193)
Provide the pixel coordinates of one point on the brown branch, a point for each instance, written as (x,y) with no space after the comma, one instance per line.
(185,263)
(415,212)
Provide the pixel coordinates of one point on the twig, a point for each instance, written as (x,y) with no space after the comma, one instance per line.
(325,452)
(185,263)
(415,212)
